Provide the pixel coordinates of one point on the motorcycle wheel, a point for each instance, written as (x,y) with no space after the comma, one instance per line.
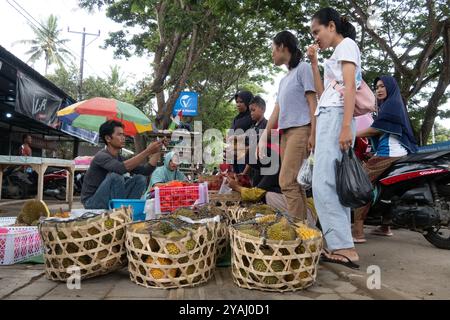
(20,192)
(439,237)
(62,193)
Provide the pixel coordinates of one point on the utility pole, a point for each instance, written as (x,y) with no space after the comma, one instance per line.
(83,45)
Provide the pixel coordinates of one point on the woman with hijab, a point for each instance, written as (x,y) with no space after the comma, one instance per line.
(241,123)
(392,138)
(168,172)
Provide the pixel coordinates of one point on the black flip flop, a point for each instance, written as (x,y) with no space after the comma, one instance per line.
(349,263)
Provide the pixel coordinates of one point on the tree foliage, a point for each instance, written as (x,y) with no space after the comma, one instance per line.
(47,44)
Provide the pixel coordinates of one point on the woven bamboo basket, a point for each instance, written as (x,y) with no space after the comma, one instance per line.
(270,265)
(93,243)
(225,201)
(155,261)
(244,212)
(222,235)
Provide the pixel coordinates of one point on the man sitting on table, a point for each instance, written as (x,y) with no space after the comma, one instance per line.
(104,179)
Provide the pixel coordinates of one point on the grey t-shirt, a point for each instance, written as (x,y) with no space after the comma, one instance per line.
(102,164)
(294,110)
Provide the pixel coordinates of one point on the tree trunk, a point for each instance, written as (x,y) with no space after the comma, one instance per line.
(139,143)
(444,81)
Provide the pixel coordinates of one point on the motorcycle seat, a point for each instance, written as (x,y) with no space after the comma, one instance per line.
(420,157)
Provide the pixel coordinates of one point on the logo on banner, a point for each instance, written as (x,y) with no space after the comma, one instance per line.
(187,102)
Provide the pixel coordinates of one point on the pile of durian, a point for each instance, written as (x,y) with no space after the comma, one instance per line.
(31,213)
(277,227)
(172,229)
(257,209)
(72,248)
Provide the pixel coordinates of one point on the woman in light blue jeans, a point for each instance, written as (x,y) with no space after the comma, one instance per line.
(335,130)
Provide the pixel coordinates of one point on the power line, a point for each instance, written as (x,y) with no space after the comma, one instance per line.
(83,46)
(45,31)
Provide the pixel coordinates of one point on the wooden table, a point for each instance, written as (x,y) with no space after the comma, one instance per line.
(40,165)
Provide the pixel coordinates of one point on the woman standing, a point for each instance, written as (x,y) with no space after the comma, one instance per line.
(392,138)
(335,127)
(294,109)
(243,121)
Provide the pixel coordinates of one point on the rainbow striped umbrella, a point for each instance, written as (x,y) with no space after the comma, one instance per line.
(90,114)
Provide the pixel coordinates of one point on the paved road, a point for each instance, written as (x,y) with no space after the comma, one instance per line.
(409,263)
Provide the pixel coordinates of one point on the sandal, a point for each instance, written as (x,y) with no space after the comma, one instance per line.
(349,263)
(359,240)
(380,232)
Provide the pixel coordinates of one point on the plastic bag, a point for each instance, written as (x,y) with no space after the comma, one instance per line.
(224,188)
(353,186)
(304,177)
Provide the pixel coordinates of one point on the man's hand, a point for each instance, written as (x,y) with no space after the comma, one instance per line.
(154,147)
(232,183)
(261,150)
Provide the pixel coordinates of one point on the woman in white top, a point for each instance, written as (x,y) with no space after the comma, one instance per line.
(335,129)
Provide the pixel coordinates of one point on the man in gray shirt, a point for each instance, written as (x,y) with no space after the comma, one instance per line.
(104,179)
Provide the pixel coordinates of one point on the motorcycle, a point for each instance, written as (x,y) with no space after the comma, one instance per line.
(20,184)
(55,181)
(414,194)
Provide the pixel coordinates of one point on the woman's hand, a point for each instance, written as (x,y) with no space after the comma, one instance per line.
(346,138)
(311,52)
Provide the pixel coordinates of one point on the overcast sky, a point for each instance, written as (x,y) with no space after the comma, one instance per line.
(15,27)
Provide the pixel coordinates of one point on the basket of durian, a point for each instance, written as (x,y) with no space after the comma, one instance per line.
(206,211)
(92,244)
(171,253)
(249,211)
(274,253)
(225,201)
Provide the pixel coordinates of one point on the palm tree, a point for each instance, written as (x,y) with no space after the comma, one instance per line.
(48,44)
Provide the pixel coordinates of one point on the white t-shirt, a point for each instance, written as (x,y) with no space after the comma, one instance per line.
(347,50)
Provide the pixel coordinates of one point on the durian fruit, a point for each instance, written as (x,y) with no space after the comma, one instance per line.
(267,218)
(259,265)
(107,239)
(270,280)
(157,273)
(304,275)
(120,233)
(109,223)
(190,245)
(137,243)
(251,232)
(277,266)
(190,270)
(281,230)
(172,249)
(306,233)
(184,212)
(165,228)
(102,254)
(31,211)
(93,231)
(176,234)
(295,264)
(90,244)
(62,235)
(263,209)
(71,248)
